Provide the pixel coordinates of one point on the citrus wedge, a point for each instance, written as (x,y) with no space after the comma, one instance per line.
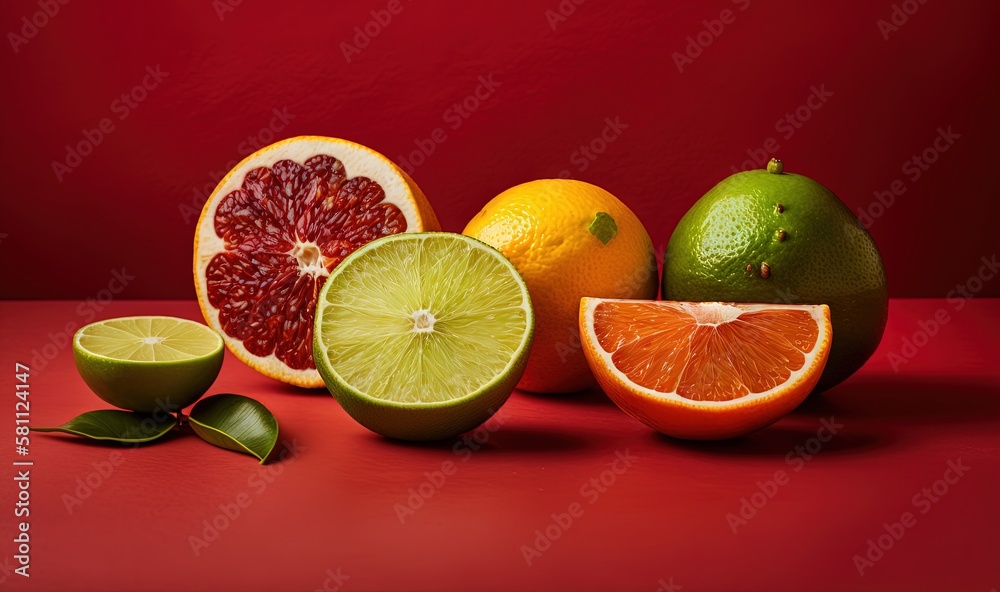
(148,364)
(707,370)
(276,226)
(423,336)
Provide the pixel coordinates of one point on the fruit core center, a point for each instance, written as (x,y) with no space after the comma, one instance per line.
(714,314)
(423,321)
(310,258)
(152,340)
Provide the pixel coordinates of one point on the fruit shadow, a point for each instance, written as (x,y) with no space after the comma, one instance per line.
(779,440)
(301,391)
(878,411)
(902,400)
(507,439)
(284,447)
(593,396)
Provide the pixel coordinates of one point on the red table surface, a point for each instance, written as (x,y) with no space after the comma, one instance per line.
(666,522)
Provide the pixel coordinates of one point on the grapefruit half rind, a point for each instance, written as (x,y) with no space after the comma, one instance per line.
(273,230)
(705,371)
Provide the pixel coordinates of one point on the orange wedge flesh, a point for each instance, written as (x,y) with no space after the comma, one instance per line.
(705,370)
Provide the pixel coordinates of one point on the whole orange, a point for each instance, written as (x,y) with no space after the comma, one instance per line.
(568,239)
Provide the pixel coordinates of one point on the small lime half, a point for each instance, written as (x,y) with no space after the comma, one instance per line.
(423,336)
(148,363)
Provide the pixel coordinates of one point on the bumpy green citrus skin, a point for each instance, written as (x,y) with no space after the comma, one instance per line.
(810,249)
(148,386)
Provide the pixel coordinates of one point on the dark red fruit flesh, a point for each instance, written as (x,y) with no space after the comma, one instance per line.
(265,297)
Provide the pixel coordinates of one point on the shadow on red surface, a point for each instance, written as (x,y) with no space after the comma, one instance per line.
(900,400)
(880,411)
(510,440)
(591,397)
(777,440)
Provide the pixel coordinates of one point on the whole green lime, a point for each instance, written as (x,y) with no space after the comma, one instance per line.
(773,237)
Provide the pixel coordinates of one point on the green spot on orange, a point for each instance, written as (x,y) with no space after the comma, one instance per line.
(603,227)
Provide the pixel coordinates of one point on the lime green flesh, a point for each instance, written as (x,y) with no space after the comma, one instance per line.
(423,336)
(148,339)
(425,320)
(761,236)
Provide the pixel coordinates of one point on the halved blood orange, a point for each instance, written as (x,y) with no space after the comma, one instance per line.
(705,370)
(274,228)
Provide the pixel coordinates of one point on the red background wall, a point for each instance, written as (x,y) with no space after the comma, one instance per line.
(128,204)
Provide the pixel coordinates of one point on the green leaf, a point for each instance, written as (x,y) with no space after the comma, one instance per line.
(117,426)
(237,423)
(603,227)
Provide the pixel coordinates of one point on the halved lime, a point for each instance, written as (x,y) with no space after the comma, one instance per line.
(423,336)
(148,363)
